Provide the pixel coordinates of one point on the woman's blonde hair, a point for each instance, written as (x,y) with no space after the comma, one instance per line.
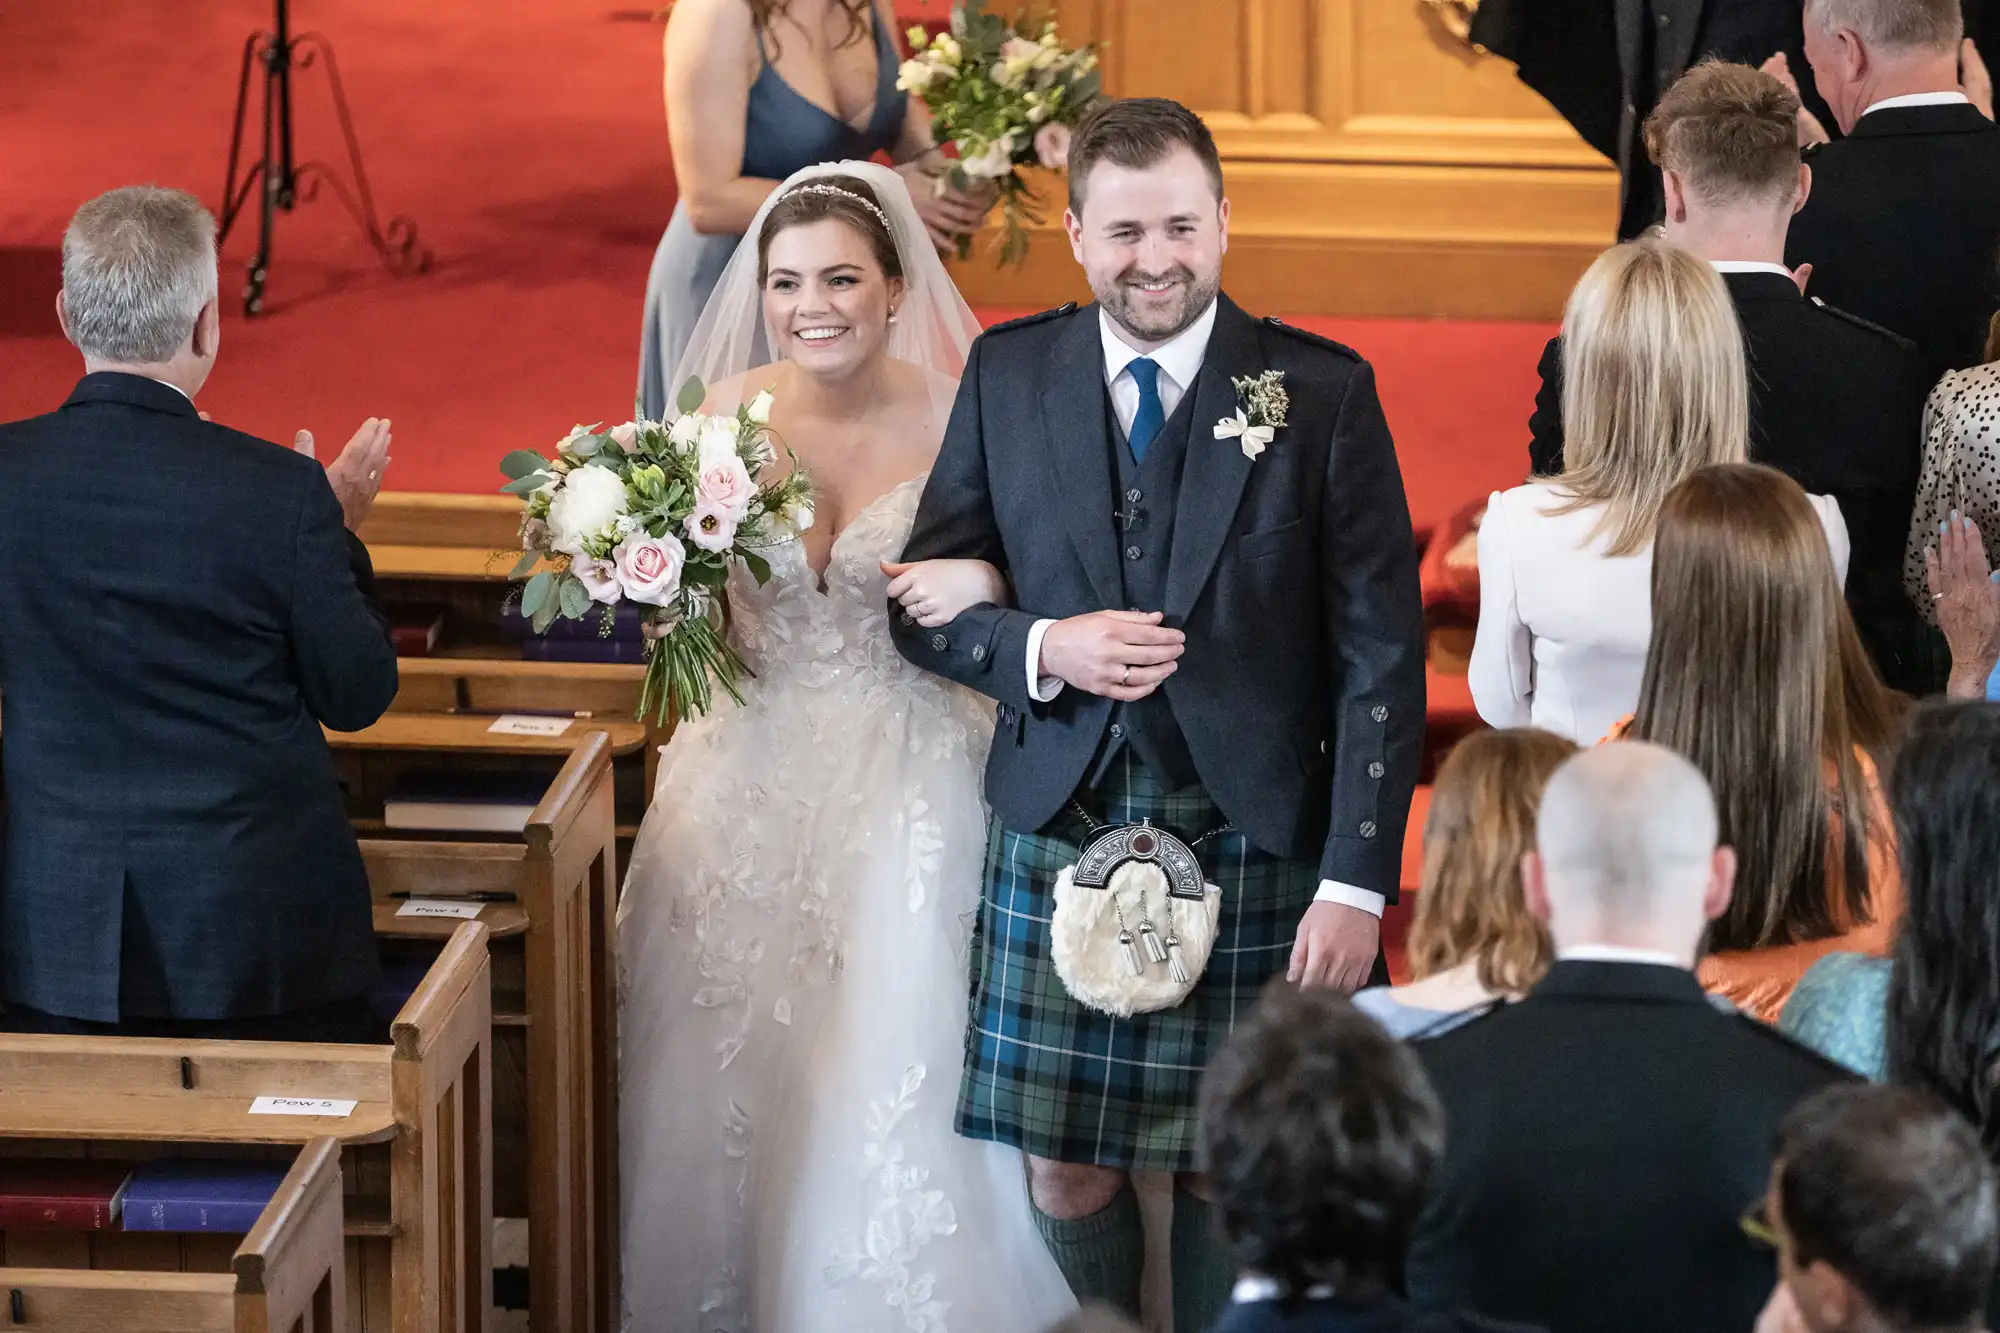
(1482,820)
(1654,385)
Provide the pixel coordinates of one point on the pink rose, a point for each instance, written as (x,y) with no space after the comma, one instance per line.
(725,483)
(1052,146)
(598,577)
(626,437)
(711,527)
(649,568)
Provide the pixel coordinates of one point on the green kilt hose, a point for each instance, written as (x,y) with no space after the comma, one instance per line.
(1067,1083)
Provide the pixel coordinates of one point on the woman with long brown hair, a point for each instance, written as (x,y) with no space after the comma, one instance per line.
(757,90)
(1472,940)
(1756,675)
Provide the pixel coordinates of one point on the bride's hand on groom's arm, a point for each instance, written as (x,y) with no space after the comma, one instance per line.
(1121,655)
(937,592)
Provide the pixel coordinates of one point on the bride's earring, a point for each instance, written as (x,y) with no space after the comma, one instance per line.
(892,317)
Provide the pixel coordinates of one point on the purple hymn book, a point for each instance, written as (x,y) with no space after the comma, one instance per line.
(200,1196)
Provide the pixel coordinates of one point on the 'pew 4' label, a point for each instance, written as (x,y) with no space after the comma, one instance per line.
(326,1106)
(440,907)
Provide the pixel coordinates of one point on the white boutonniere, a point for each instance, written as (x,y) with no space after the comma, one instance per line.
(1261,403)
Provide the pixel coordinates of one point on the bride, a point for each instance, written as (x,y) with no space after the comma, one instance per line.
(792,936)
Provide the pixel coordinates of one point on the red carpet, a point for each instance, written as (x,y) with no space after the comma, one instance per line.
(527,142)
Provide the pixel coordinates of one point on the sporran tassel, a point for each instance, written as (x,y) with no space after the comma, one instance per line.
(1177,965)
(1154,949)
(1131,952)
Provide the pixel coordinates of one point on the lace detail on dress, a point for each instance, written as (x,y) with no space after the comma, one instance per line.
(905,1219)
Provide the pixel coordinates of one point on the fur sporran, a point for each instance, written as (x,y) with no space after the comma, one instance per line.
(1134,922)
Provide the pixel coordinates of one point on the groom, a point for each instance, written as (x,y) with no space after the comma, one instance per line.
(1205,638)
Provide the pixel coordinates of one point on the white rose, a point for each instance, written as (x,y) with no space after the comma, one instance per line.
(993,164)
(649,568)
(760,408)
(799,514)
(591,500)
(626,437)
(914,76)
(683,432)
(718,440)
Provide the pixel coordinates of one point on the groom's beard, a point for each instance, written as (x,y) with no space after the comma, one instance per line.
(1121,299)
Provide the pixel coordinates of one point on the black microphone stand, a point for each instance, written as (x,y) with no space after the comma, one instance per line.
(288,182)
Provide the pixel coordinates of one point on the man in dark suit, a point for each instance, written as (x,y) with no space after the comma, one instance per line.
(183,607)
(1217,629)
(1836,403)
(1320,1137)
(1606,1134)
(1905,211)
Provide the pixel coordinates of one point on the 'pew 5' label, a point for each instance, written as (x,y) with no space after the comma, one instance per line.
(326,1106)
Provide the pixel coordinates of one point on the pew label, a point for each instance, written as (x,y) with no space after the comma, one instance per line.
(321,1106)
(521,724)
(441,907)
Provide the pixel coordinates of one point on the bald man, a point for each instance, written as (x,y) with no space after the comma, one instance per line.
(1606,1134)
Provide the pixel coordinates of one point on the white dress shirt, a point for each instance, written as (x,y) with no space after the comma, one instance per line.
(1179,360)
(1619,953)
(1563,627)
(1749,266)
(1953,98)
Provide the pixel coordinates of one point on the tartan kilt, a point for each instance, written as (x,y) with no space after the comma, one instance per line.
(1067,1083)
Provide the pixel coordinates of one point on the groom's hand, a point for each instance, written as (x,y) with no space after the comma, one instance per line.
(1336,947)
(1119,654)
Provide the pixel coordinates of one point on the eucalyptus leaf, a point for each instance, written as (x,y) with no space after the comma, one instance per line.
(527,562)
(539,592)
(527,485)
(759,567)
(572,597)
(691,395)
(545,617)
(586,446)
(522,463)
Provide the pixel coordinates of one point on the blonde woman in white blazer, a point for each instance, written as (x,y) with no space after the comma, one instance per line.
(1654,389)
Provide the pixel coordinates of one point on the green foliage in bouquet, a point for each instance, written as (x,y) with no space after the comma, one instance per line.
(1007,100)
(654,514)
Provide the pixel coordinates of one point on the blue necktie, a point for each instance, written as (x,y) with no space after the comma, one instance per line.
(1152,413)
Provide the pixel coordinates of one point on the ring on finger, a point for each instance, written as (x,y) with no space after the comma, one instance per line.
(1125,676)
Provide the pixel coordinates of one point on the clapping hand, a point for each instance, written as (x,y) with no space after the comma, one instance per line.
(356,476)
(1968,605)
(1810,130)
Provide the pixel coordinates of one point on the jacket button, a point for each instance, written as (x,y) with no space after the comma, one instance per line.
(940,642)
(1133,495)
(1367,829)
(1117,731)
(1375,770)
(1379,713)
(906,618)
(979,652)
(1132,553)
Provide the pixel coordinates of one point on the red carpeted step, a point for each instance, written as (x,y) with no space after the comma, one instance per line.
(1396,917)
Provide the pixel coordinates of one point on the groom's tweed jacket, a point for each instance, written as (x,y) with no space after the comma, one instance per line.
(1301,692)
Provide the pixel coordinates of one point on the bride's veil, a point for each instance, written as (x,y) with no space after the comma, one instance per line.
(934,326)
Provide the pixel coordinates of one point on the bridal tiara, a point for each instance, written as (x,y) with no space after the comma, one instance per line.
(812,187)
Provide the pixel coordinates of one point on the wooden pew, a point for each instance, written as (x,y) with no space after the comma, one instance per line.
(555,1000)
(417,1153)
(288,1275)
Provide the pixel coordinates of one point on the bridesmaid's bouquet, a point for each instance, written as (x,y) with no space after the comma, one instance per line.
(1007,100)
(653,514)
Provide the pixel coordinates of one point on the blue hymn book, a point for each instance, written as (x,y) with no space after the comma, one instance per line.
(190,1195)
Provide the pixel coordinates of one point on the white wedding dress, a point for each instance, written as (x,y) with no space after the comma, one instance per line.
(792,949)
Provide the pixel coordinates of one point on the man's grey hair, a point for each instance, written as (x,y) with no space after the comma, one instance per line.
(1625,825)
(138,265)
(1893,25)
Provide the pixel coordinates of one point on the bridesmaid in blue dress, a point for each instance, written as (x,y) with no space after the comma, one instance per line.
(756,90)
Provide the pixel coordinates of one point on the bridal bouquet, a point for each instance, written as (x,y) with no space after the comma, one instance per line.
(1007,100)
(653,513)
